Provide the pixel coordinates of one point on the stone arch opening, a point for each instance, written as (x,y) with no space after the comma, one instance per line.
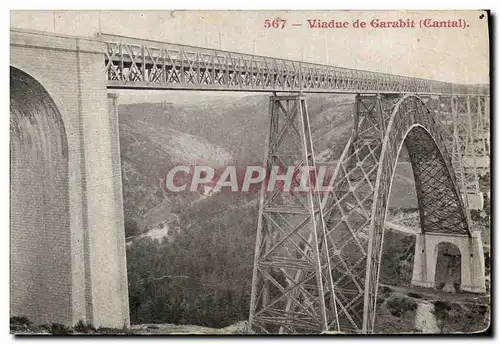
(40,238)
(448,267)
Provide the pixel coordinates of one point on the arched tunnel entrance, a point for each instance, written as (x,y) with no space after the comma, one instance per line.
(40,281)
(448,267)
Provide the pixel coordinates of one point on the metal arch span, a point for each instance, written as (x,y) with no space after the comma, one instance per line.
(355,210)
(441,206)
(317,259)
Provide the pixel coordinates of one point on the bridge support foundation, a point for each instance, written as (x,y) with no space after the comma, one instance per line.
(475,201)
(67,242)
(472,260)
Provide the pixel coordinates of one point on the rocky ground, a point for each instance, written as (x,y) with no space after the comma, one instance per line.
(418,310)
(399,310)
(22,326)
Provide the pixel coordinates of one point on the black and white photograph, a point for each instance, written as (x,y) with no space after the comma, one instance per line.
(250,172)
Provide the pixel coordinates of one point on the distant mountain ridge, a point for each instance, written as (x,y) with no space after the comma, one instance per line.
(158,136)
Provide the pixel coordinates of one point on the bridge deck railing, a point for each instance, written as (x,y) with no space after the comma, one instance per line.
(137,63)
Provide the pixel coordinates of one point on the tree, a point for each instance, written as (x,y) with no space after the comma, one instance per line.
(207,269)
(131,228)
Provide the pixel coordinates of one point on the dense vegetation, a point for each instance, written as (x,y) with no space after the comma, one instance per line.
(397,258)
(203,277)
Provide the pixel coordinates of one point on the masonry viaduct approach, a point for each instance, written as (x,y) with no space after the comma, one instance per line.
(317,257)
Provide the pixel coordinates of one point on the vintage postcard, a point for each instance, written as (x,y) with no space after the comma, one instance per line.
(250,172)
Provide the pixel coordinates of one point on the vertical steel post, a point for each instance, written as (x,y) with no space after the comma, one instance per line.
(459,160)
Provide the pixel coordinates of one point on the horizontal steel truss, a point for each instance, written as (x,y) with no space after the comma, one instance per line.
(299,237)
(136,63)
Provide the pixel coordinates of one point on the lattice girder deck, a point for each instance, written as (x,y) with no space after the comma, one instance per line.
(146,64)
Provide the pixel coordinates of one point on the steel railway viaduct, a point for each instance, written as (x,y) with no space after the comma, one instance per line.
(317,257)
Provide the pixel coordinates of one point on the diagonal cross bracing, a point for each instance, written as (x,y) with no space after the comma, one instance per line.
(318,256)
(292,288)
(144,64)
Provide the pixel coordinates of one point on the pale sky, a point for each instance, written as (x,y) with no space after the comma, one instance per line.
(447,54)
